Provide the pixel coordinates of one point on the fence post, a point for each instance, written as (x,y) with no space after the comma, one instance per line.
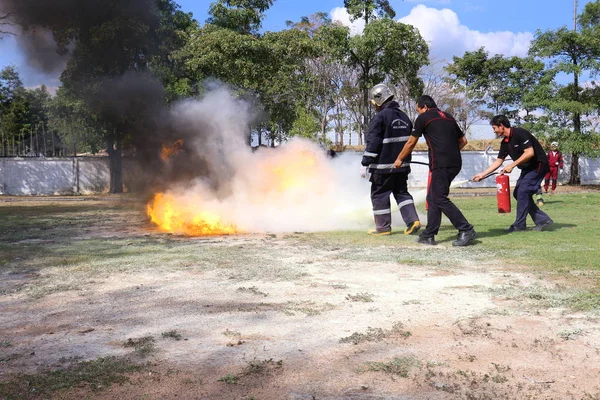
(3,174)
(75,175)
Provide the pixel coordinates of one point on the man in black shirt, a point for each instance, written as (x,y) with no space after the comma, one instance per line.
(529,156)
(445,140)
(388,132)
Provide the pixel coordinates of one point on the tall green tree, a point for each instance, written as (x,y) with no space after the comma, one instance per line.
(498,83)
(12,107)
(386,50)
(108,47)
(572,52)
(241,16)
(173,33)
(369,9)
(269,66)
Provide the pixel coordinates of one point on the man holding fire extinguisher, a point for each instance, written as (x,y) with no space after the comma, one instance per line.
(529,156)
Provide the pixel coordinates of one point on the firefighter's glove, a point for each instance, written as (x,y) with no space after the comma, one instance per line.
(363,172)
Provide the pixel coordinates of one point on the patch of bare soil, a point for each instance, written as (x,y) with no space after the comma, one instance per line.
(342,330)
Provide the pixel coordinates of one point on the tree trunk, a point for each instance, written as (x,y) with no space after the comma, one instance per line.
(259,136)
(115,165)
(324,128)
(73,138)
(365,121)
(574,179)
(44,139)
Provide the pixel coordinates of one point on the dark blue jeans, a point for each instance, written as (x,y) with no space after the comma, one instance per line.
(527,185)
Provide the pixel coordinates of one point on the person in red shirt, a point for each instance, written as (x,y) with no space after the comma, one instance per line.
(555,161)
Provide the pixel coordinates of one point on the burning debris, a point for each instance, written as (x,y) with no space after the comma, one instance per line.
(168,151)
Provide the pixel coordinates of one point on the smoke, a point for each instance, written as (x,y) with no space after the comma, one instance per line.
(293,187)
(196,152)
(40,49)
(47,29)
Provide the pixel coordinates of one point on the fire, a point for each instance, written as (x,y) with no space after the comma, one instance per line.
(168,151)
(173,214)
(270,190)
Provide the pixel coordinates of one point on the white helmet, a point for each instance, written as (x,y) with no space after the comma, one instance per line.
(554,144)
(380,94)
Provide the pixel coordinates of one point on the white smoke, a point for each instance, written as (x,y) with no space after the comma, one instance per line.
(294,187)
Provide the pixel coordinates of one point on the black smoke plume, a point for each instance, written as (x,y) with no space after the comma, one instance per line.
(124,97)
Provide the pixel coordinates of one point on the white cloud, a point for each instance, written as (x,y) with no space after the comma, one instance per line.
(447,37)
(339,14)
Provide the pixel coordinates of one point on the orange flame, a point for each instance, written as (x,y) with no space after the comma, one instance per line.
(278,178)
(291,173)
(167,151)
(173,215)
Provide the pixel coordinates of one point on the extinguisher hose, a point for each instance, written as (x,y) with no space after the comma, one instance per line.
(486,176)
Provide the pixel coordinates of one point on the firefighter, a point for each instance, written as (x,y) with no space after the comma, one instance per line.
(445,140)
(387,134)
(555,161)
(529,156)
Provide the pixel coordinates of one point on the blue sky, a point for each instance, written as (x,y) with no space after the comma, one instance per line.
(450,26)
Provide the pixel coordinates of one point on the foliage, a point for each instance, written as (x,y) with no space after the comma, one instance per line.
(369,9)
(501,84)
(573,52)
(241,16)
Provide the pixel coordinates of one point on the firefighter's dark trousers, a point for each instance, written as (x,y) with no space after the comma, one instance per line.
(527,185)
(438,203)
(382,185)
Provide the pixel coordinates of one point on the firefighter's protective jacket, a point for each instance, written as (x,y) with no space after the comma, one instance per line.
(388,132)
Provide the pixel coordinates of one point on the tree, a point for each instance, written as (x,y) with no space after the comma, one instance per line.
(109,44)
(241,16)
(387,50)
(173,33)
(369,9)
(572,52)
(11,105)
(5,23)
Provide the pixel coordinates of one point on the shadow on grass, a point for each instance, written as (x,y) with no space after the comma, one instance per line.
(501,232)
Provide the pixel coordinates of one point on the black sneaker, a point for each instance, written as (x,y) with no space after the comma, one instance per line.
(513,228)
(426,240)
(543,225)
(465,237)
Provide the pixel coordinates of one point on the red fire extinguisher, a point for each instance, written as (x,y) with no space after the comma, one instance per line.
(428,183)
(503,194)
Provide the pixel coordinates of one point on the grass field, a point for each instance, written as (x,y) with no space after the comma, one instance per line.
(50,247)
(115,235)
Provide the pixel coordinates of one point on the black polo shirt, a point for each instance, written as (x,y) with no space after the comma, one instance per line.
(441,133)
(515,144)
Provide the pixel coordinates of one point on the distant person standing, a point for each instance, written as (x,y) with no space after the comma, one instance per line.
(555,161)
(445,140)
(388,132)
(528,155)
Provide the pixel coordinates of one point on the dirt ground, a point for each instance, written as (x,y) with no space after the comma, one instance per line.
(311,322)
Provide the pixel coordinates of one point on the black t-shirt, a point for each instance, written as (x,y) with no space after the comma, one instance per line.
(519,140)
(441,133)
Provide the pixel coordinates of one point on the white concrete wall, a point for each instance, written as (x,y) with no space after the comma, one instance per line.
(55,176)
(476,161)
